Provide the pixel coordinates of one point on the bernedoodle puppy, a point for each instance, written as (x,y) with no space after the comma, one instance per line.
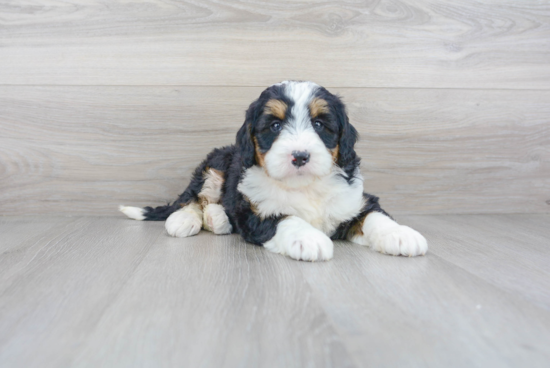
(290,183)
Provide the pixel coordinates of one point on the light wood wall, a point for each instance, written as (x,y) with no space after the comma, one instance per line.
(110,102)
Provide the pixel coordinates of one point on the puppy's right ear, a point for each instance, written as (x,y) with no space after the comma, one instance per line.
(244,143)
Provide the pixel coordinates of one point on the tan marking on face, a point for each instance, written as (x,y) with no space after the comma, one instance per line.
(335,153)
(276,108)
(317,107)
(260,157)
(212,188)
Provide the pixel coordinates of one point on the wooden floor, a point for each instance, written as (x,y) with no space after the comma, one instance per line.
(91,292)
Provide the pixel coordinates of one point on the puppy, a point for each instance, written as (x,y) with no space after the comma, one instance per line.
(291,183)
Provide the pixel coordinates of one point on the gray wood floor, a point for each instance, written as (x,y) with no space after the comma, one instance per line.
(90,291)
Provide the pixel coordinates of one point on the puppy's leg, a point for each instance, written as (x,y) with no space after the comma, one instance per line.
(386,236)
(299,240)
(215,219)
(186,221)
(205,184)
(289,235)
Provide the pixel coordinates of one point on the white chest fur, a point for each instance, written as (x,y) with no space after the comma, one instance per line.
(324,203)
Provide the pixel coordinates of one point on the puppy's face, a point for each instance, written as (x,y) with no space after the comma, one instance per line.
(296,131)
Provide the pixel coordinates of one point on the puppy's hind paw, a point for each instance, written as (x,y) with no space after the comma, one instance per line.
(216,220)
(183,223)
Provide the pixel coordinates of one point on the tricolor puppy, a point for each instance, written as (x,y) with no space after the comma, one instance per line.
(291,183)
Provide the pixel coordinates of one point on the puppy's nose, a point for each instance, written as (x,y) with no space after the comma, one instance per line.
(300,158)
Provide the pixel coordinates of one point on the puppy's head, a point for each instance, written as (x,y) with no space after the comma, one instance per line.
(297,131)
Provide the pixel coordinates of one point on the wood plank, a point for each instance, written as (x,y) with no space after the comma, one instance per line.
(84,150)
(535,224)
(426,311)
(518,266)
(16,230)
(214,301)
(531,231)
(54,290)
(404,43)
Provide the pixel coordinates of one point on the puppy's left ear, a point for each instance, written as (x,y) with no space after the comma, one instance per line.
(347,158)
(244,143)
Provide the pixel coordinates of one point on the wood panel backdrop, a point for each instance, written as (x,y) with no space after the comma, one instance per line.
(115,102)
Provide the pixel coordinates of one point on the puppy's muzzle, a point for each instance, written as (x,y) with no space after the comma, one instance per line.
(300,158)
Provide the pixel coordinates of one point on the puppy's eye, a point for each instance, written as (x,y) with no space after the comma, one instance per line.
(276,126)
(318,125)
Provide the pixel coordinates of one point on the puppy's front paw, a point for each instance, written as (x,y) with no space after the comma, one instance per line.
(299,240)
(399,240)
(310,245)
(183,223)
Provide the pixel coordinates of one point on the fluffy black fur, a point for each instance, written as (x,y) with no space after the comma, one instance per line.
(235,159)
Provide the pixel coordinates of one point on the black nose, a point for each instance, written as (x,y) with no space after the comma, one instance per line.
(300,158)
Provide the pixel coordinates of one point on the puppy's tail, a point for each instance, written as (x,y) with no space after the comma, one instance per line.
(149,213)
(189,195)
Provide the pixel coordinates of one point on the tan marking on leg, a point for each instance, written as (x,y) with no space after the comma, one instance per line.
(317,107)
(212,188)
(253,207)
(195,208)
(357,228)
(276,108)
